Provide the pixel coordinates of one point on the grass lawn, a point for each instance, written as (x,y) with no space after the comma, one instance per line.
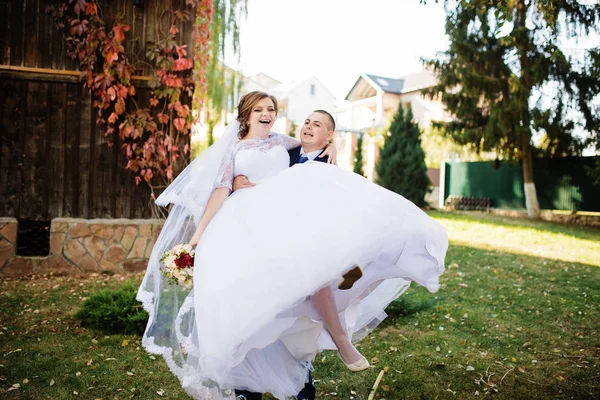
(517,317)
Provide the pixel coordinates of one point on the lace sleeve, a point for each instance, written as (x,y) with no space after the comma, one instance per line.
(225,174)
(286,141)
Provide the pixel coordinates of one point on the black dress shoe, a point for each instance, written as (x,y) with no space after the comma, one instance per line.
(350,277)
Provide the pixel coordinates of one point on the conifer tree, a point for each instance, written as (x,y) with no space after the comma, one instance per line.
(358,156)
(505,77)
(401,166)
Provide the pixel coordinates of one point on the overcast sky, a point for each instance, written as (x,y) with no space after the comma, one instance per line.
(337,40)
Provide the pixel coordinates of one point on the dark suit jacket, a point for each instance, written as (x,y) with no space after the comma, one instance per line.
(295,155)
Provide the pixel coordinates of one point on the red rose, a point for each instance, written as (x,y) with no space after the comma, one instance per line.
(184,260)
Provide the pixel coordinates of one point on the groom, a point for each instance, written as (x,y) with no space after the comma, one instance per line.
(315,135)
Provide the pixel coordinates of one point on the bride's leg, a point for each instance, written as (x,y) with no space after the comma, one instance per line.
(324,303)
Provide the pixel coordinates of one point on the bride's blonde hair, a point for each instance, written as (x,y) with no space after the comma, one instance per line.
(245,106)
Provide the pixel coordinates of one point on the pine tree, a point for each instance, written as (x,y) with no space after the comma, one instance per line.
(358,156)
(503,56)
(401,166)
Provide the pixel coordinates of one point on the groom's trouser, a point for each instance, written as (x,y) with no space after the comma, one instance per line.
(308,393)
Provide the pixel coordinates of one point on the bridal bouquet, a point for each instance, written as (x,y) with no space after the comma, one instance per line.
(179,265)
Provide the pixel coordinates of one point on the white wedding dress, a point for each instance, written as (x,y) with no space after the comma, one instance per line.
(248,323)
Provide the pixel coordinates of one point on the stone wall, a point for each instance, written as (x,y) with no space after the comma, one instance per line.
(82,245)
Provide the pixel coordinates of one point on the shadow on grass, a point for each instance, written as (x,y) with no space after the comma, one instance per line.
(407,305)
(580,232)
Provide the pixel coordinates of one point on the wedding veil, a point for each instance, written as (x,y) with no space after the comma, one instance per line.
(171,326)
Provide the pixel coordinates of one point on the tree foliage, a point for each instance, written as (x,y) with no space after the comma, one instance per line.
(503,61)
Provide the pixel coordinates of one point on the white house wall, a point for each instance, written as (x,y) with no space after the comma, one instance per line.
(301,102)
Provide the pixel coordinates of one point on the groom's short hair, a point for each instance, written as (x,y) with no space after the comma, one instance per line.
(331,120)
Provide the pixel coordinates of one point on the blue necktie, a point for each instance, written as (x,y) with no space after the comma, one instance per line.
(302,159)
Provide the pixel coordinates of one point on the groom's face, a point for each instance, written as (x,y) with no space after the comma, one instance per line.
(316,132)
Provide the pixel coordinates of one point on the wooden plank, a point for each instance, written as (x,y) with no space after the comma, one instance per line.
(35,165)
(45,35)
(124,186)
(31,48)
(12,102)
(85,135)
(17,34)
(71,144)
(102,195)
(57,101)
(138,40)
(136,192)
(58,47)
(5,23)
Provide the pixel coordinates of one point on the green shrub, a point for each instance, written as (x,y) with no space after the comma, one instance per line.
(114,311)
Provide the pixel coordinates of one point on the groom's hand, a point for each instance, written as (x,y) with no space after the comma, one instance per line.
(241,182)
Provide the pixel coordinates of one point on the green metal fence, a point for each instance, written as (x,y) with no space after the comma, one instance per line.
(561,184)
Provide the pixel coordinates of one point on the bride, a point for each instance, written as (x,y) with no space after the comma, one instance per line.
(250,321)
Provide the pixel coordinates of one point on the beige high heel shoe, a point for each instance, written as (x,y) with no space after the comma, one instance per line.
(360,365)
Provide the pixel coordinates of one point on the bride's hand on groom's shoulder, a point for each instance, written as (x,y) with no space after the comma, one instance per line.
(331,153)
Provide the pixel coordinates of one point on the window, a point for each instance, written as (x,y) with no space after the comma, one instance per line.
(312,89)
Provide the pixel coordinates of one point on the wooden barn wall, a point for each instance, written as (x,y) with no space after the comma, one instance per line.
(54,160)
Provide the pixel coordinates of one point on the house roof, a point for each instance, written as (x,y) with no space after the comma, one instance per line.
(389,85)
(367,84)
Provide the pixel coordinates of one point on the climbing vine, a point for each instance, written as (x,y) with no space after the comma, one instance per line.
(150,137)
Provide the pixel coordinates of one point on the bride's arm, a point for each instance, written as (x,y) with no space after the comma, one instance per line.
(216,200)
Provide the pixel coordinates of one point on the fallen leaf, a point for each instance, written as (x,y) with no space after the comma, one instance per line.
(124,343)
(160,392)
(51,382)
(25,380)
(129,373)
(14,387)
(470,368)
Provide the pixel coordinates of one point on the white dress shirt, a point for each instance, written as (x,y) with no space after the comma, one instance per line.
(312,155)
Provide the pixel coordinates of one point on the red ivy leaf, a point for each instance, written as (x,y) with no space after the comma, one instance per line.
(91,8)
(80,5)
(181,51)
(148,175)
(78,27)
(120,106)
(179,124)
(112,93)
(163,118)
(119,31)
(181,64)
(122,91)
(173,30)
